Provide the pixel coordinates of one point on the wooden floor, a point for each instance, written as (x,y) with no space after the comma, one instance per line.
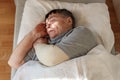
(115,25)
(7,12)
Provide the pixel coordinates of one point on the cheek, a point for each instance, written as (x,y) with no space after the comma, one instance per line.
(58,28)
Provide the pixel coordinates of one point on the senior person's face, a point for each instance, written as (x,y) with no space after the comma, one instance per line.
(57,24)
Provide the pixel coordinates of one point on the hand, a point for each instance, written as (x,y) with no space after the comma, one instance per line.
(39,30)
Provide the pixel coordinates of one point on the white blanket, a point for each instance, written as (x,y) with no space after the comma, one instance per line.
(97,65)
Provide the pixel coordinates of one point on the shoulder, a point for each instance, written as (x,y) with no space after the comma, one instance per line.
(81,29)
(79,35)
(78,42)
(79,32)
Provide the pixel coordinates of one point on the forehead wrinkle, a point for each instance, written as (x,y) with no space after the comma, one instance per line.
(51,16)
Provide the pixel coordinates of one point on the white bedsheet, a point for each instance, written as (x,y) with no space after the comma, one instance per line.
(97,65)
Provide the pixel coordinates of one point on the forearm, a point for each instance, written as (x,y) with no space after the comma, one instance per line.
(21,50)
(17,57)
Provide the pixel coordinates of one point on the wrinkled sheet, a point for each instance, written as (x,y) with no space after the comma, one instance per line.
(98,64)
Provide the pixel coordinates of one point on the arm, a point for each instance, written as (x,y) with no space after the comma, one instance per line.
(78,43)
(17,57)
(49,55)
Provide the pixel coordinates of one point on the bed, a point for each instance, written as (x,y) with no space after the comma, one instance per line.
(99,64)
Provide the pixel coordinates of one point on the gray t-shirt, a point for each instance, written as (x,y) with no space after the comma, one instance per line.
(76,42)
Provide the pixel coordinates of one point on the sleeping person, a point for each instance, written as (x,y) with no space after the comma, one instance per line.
(54,41)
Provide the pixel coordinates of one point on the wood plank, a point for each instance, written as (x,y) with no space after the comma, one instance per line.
(114,23)
(7,13)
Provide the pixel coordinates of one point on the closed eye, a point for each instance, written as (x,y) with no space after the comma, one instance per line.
(51,20)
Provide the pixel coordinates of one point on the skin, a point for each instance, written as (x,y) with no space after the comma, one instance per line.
(57,24)
(54,25)
(17,56)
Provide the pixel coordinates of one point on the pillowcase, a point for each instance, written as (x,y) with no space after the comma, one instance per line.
(94,16)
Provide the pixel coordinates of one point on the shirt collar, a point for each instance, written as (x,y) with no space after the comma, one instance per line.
(59,37)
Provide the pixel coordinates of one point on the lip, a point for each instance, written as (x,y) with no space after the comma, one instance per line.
(49,30)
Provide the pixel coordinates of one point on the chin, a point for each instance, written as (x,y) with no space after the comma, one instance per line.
(52,36)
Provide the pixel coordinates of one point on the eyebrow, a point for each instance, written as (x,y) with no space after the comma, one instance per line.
(50,17)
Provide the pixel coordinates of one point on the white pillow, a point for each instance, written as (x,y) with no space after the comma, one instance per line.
(94,16)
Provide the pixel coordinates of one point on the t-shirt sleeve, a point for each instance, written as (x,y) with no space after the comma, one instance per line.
(78,42)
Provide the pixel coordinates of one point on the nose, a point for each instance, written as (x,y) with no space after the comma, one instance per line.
(48,24)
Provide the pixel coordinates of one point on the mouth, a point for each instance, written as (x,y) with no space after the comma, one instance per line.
(50,31)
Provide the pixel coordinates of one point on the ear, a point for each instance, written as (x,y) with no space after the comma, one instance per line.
(69,20)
